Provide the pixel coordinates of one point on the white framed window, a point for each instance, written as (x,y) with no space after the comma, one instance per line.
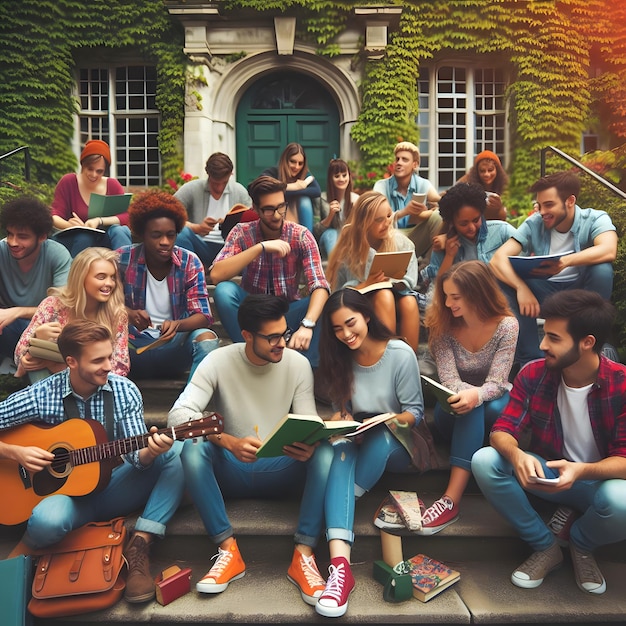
(118,105)
(462,111)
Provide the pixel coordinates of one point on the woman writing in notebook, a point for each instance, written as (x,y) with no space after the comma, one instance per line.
(367,371)
(93,292)
(337,202)
(70,206)
(370,231)
(472,338)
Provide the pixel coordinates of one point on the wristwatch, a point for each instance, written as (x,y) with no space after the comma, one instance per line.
(307,323)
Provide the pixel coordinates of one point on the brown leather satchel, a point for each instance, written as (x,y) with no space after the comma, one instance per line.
(81,573)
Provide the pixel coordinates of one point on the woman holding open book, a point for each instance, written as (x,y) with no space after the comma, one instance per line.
(370,231)
(93,291)
(367,371)
(472,337)
(70,207)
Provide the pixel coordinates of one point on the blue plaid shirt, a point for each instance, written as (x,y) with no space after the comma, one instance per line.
(43,402)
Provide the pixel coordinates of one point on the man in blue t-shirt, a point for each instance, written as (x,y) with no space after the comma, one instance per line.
(558,226)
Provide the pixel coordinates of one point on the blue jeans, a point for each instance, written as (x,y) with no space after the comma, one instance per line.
(328,240)
(158,488)
(9,337)
(115,237)
(359,465)
(184,351)
(467,432)
(213,473)
(598,278)
(206,250)
(229,295)
(602,502)
(304,205)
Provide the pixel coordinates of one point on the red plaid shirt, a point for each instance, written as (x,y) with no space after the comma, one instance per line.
(285,272)
(533,404)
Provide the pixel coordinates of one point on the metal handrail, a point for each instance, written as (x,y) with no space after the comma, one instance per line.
(603,181)
(26,159)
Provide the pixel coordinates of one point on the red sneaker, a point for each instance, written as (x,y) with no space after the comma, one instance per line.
(334,601)
(440,514)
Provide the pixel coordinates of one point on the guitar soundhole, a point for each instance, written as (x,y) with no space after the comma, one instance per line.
(54,477)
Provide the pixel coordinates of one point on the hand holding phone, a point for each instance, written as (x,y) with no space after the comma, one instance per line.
(544,481)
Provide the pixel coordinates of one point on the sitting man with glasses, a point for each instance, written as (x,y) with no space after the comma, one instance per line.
(254,385)
(273,256)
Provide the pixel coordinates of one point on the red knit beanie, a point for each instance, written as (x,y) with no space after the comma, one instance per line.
(487,154)
(96,146)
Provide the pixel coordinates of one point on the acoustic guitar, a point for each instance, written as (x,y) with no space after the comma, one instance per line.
(83,459)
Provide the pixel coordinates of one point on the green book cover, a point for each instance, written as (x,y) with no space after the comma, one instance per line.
(106,206)
(305,428)
(440,392)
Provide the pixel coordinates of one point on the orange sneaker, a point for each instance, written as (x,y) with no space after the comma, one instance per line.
(228,566)
(303,573)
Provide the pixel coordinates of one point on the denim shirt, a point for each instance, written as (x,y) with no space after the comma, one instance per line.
(491,235)
(389,188)
(587,225)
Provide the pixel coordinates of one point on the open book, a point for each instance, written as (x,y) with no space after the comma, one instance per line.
(524,265)
(310,429)
(232,218)
(105,206)
(441,392)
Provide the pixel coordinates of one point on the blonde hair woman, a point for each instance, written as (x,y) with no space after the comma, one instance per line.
(93,291)
(370,231)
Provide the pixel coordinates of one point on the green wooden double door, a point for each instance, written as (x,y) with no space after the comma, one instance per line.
(280,109)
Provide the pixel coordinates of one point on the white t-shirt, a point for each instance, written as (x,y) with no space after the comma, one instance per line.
(579,444)
(563,242)
(158,303)
(217,209)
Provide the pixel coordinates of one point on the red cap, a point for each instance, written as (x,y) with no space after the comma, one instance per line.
(487,154)
(96,146)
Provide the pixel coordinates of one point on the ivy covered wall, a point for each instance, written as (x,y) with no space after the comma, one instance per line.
(38,41)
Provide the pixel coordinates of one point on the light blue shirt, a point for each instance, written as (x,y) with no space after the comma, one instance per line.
(587,225)
(389,188)
(491,235)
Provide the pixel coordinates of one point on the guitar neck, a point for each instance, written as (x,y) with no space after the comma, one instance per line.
(119,447)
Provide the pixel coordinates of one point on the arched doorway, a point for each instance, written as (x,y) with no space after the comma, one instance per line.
(280,108)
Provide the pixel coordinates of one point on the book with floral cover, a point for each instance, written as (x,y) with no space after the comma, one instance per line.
(429,576)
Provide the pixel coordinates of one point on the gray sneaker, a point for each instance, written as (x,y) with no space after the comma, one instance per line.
(387,516)
(536,567)
(588,575)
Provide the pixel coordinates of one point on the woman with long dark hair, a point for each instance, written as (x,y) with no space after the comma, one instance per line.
(367,371)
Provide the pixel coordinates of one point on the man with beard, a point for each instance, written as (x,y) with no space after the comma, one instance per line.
(558,226)
(30,264)
(272,255)
(573,402)
(253,385)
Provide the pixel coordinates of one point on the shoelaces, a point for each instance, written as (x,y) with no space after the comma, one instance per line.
(335,583)
(309,569)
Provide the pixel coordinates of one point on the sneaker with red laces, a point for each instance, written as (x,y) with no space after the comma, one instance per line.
(303,573)
(334,601)
(228,566)
(438,515)
(561,522)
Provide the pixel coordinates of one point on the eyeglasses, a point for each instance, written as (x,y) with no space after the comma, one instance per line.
(269,211)
(275,338)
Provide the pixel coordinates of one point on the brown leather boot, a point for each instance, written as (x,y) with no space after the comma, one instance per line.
(139,583)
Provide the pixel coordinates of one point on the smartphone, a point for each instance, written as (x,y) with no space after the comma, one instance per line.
(544,481)
(419,197)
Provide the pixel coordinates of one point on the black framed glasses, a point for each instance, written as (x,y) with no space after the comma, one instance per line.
(269,210)
(275,338)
